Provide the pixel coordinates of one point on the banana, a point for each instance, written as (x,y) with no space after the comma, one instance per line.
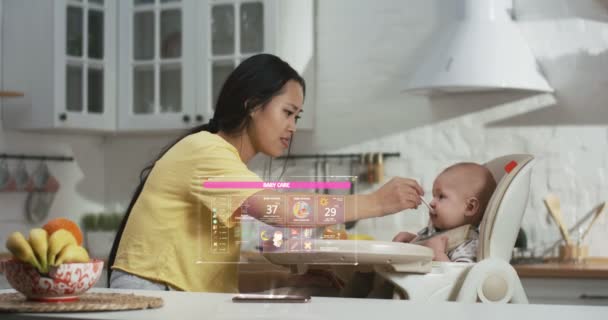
(57,241)
(39,242)
(21,249)
(72,253)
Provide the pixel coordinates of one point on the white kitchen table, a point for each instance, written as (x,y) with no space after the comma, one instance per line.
(183,305)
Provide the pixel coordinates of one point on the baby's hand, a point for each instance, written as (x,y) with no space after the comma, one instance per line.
(404,237)
(437,243)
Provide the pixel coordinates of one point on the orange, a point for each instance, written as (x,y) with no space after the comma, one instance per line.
(63,223)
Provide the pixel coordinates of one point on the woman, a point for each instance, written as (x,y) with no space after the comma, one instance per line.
(165,241)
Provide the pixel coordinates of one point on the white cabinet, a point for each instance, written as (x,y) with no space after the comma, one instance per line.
(175,55)
(160,69)
(62,55)
(569,291)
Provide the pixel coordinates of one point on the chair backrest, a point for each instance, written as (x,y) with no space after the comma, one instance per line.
(502,219)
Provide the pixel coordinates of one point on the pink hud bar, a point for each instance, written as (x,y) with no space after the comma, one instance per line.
(276,185)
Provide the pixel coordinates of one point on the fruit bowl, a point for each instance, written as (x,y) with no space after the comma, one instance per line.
(63,283)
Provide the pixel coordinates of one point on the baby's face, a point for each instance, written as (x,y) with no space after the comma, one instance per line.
(449,202)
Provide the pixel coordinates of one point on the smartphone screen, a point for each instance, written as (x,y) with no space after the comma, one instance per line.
(271,298)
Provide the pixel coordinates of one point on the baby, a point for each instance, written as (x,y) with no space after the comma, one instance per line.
(460,196)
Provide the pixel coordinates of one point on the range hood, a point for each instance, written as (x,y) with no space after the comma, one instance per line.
(478,48)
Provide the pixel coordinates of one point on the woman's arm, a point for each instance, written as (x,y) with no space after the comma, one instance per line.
(396,195)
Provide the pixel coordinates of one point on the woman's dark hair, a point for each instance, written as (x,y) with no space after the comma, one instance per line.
(251,85)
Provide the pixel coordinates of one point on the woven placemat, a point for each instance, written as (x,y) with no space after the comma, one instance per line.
(16,302)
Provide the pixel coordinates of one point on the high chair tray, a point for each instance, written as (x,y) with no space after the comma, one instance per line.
(398,256)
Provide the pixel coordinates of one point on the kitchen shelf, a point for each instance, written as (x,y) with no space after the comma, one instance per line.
(339,156)
(10,94)
(589,269)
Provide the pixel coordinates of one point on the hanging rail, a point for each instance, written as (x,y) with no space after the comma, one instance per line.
(35,157)
(339,156)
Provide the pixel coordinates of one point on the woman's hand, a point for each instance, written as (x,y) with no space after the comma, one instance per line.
(404,237)
(397,195)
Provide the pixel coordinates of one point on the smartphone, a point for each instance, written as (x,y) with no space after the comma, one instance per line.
(280,298)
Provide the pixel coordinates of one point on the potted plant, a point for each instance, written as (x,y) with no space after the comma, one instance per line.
(100,230)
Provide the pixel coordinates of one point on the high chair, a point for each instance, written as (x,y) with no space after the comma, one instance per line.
(492,278)
(410,267)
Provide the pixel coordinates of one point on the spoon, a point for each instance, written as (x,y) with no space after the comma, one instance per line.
(426,204)
(552,203)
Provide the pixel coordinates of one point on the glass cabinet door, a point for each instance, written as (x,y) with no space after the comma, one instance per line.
(176,54)
(85,56)
(237,32)
(157,68)
(222,29)
(157,57)
(252,27)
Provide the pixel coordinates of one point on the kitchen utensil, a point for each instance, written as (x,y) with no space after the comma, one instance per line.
(325,174)
(379,168)
(353,170)
(317,174)
(6,181)
(40,199)
(371,177)
(553,205)
(573,253)
(22,178)
(354,167)
(426,204)
(550,249)
(361,170)
(598,212)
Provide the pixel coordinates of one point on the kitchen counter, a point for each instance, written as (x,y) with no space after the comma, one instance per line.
(594,269)
(183,305)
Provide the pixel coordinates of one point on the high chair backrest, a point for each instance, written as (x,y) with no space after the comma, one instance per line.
(502,219)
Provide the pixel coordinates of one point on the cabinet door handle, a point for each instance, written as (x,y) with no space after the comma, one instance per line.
(63,116)
(186,118)
(592,297)
(200,118)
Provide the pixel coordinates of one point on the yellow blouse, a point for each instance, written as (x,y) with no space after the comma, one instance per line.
(168,237)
